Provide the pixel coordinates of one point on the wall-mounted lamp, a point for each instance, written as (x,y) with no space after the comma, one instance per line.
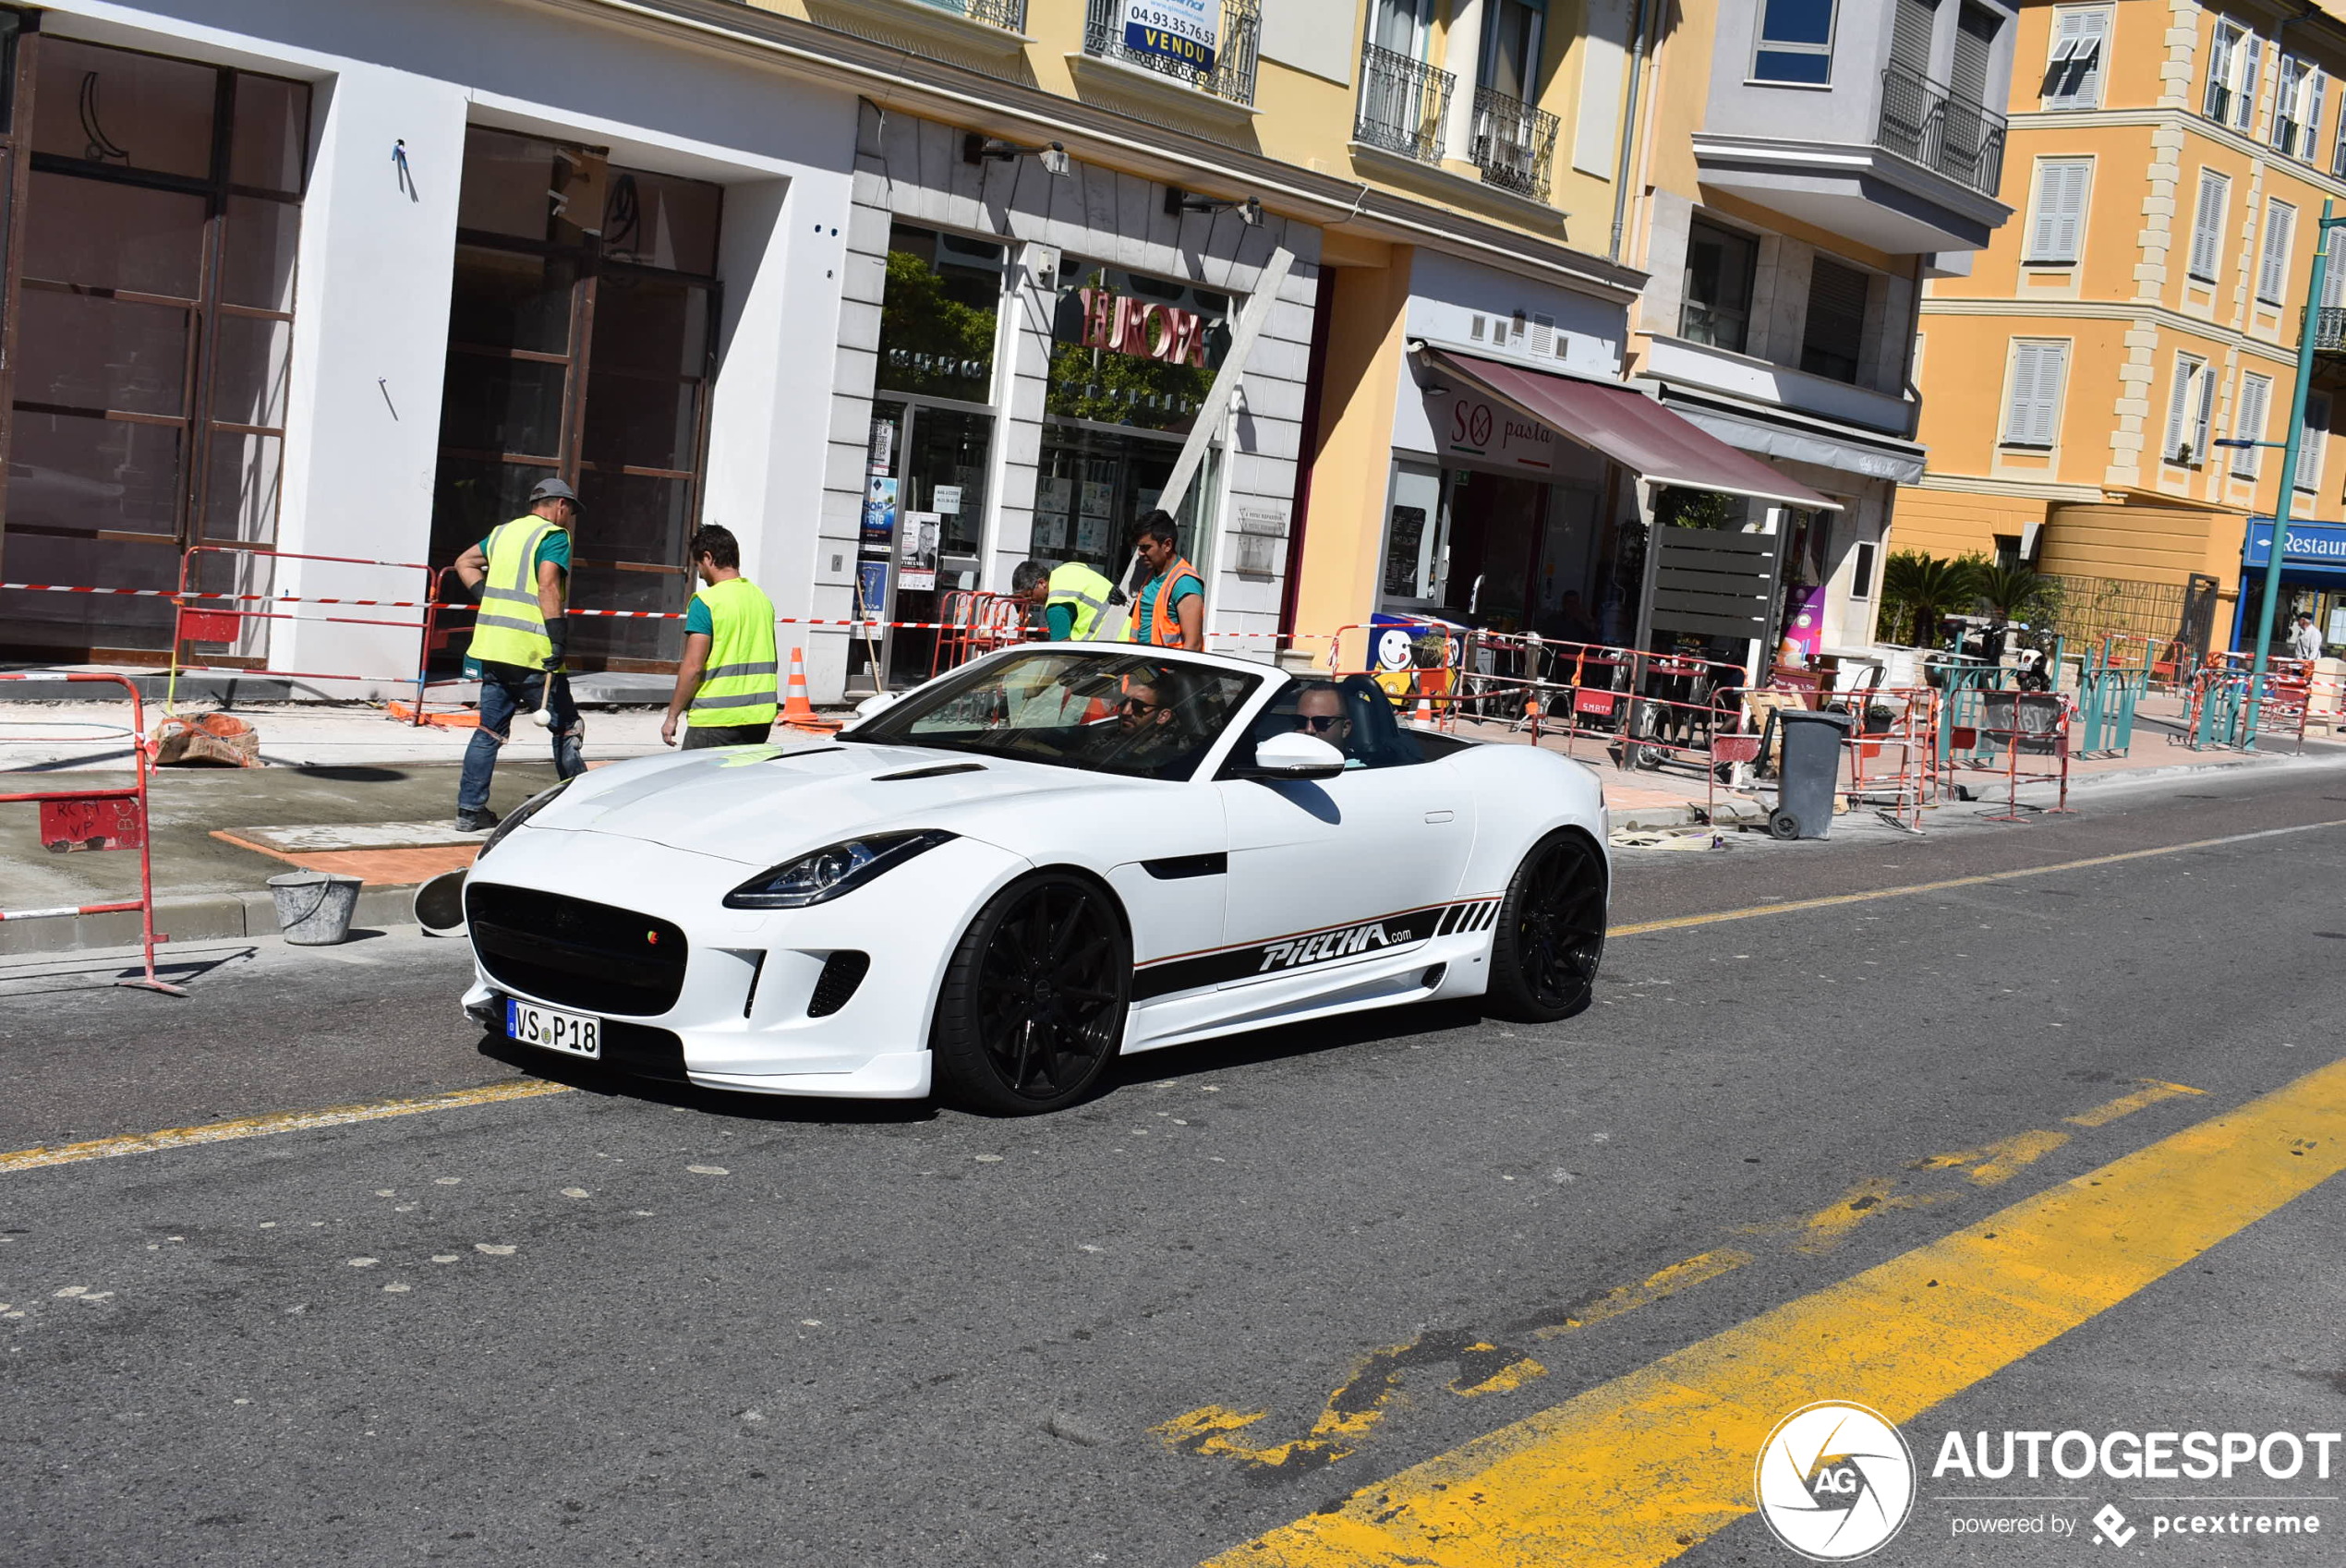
(1178,202)
(976,148)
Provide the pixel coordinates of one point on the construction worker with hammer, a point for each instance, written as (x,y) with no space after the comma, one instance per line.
(726,692)
(522,570)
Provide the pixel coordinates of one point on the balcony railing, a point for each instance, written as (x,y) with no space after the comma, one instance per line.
(2330,328)
(1233,77)
(1403,104)
(1514,143)
(1008,14)
(1925,123)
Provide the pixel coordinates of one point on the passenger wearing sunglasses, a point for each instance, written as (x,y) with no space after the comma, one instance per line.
(1320,711)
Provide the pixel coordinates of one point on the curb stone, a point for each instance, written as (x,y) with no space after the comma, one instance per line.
(194,917)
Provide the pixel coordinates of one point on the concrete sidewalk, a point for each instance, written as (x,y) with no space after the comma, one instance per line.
(351,767)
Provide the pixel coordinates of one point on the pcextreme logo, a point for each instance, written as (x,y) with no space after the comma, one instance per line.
(1834,1481)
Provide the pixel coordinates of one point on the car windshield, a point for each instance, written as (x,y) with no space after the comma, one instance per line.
(1138,715)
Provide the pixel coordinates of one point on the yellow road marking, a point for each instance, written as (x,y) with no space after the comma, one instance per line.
(1633,1472)
(1698,1270)
(1793,905)
(1832,1225)
(2153,1091)
(275,1122)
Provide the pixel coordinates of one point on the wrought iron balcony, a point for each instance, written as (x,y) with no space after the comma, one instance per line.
(1403,104)
(1233,77)
(1008,14)
(1927,124)
(2330,328)
(1514,143)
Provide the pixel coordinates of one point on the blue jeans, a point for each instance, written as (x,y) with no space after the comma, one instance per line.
(507,690)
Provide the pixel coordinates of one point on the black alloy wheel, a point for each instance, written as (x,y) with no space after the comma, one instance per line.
(1033,1005)
(1549,940)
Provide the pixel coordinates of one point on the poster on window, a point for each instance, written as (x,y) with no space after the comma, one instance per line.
(1182,30)
(916,553)
(1054,495)
(1404,543)
(879,514)
(1090,535)
(871,590)
(1099,495)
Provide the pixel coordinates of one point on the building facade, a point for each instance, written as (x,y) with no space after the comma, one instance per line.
(303,302)
(1813,163)
(2172,161)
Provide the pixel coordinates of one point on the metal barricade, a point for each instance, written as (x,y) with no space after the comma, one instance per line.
(2016,723)
(212,618)
(103,819)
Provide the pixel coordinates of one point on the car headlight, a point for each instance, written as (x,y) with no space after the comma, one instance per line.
(520,814)
(830,872)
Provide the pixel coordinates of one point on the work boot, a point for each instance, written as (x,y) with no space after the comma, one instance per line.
(479,821)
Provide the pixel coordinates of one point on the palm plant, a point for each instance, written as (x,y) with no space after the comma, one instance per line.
(2017,593)
(1926,588)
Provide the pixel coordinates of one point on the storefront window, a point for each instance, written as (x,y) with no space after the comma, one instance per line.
(931,444)
(584,355)
(1133,359)
(148,405)
(939,316)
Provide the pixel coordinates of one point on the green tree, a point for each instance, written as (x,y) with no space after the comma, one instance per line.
(1924,588)
(2017,593)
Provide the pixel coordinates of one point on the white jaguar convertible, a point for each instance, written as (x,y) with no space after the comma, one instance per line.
(987,888)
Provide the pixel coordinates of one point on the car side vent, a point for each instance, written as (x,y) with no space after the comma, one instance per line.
(841,974)
(940,771)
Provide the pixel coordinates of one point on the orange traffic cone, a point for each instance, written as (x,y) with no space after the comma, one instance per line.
(798,711)
(1424,713)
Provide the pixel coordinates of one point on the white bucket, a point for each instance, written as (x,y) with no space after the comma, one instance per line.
(314,907)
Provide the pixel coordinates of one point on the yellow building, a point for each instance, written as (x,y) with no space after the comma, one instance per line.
(2170,162)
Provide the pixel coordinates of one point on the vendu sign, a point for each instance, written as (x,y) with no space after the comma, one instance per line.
(2314,544)
(1181,31)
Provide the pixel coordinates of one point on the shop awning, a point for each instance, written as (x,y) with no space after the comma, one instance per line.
(1631,429)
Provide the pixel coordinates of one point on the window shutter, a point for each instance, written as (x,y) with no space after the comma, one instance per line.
(2204,411)
(2309,446)
(2061,210)
(1911,27)
(2308,136)
(2248,424)
(2334,276)
(2216,101)
(2032,414)
(2179,403)
(2207,224)
(2272,272)
(2248,60)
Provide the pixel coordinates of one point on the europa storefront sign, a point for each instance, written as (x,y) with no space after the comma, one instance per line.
(1185,31)
(2310,544)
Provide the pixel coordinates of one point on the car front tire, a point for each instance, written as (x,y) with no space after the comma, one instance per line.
(1549,939)
(1032,1008)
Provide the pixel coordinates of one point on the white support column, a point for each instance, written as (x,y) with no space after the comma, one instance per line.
(1462,57)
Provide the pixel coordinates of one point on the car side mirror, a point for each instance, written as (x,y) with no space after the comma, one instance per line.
(1294,755)
(875,703)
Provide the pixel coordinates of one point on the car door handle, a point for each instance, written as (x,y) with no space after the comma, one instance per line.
(1439,815)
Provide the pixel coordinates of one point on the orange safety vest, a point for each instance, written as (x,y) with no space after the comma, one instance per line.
(1164,627)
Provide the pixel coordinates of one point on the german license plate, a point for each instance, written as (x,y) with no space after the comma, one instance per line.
(533,1025)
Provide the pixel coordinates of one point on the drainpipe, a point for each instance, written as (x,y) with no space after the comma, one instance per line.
(1628,133)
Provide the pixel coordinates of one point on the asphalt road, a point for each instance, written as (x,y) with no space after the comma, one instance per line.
(1249,1282)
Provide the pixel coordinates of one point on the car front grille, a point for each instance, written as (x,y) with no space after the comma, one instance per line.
(576,954)
(842,972)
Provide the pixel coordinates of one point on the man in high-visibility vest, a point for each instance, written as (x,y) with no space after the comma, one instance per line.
(1170,612)
(1072,597)
(521,570)
(727,692)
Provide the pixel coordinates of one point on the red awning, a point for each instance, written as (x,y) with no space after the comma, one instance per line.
(1632,430)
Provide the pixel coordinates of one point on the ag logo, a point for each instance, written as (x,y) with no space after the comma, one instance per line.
(1834,1481)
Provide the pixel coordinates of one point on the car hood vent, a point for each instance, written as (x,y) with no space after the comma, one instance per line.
(940,771)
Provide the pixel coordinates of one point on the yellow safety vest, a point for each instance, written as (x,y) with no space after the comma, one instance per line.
(739,686)
(1087,591)
(510,629)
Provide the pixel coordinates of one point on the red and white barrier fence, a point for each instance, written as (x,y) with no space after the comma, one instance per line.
(103,819)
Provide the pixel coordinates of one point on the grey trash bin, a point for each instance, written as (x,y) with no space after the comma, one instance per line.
(314,907)
(1808,773)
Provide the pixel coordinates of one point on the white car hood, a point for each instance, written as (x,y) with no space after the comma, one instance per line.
(761,805)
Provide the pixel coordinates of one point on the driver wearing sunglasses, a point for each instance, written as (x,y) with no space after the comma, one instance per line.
(1318,711)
